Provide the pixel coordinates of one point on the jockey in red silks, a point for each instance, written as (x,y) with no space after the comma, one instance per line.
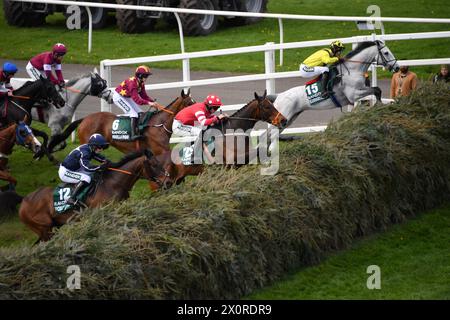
(6,73)
(130,95)
(191,120)
(41,65)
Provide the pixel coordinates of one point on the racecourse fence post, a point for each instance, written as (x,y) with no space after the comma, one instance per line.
(269,56)
(90,29)
(373,67)
(280,26)
(105,73)
(186,73)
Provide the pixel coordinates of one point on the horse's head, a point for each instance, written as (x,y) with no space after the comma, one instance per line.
(159,170)
(50,93)
(183,101)
(267,112)
(98,85)
(386,57)
(26,138)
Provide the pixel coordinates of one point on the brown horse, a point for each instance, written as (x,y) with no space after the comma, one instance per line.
(37,210)
(259,109)
(243,120)
(15,133)
(156,134)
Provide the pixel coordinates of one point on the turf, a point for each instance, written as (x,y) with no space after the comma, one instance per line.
(413,260)
(229,232)
(32,175)
(23,43)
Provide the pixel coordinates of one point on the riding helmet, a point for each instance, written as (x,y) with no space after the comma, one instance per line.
(213,101)
(337,45)
(9,68)
(59,49)
(143,71)
(97,140)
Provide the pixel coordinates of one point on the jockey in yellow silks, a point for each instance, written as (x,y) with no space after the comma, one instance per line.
(316,64)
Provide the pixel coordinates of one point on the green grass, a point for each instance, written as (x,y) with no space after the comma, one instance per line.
(413,258)
(32,175)
(23,43)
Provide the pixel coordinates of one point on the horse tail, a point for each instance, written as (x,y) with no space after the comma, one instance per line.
(58,138)
(8,200)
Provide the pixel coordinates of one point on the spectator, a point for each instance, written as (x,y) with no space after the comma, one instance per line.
(442,75)
(403,82)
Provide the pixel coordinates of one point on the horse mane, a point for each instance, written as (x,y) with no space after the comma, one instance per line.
(237,113)
(127,158)
(26,84)
(361,46)
(72,81)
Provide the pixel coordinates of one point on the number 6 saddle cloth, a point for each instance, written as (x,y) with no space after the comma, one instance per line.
(122,129)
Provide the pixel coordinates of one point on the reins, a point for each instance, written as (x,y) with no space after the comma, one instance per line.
(122,171)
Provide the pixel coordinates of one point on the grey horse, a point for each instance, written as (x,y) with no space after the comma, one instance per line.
(350,86)
(76,90)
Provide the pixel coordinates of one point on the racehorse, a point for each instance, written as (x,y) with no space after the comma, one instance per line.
(156,135)
(259,109)
(19,105)
(350,87)
(15,133)
(76,90)
(37,210)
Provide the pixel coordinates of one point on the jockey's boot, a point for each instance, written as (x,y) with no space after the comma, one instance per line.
(76,191)
(325,92)
(135,128)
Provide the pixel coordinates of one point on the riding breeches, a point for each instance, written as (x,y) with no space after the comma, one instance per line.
(184,130)
(128,105)
(70,176)
(34,73)
(309,72)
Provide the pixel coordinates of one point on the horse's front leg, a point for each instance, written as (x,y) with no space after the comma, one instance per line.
(9,178)
(57,128)
(368,91)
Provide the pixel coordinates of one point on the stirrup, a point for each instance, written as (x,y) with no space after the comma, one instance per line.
(326,94)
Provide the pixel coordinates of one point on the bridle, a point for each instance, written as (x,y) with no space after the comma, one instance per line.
(257,118)
(384,61)
(171,113)
(139,175)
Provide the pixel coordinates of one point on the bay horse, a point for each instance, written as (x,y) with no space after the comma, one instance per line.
(37,211)
(18,106)
(243,120)
(43,92)
(20,134)
(156,135)
(351,87)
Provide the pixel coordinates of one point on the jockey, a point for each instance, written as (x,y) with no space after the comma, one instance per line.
(316,64)
(130,95)
(76,167)
(201,113)
(42,65)
(6,73)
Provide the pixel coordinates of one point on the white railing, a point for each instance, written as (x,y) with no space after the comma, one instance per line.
(270,75)
(269,49)
(279,16)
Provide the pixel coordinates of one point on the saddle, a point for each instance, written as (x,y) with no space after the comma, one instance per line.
(123,128)
(314,88)
(63,191)
(335,78)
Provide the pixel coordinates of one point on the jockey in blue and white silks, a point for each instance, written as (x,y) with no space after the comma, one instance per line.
(76,167)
